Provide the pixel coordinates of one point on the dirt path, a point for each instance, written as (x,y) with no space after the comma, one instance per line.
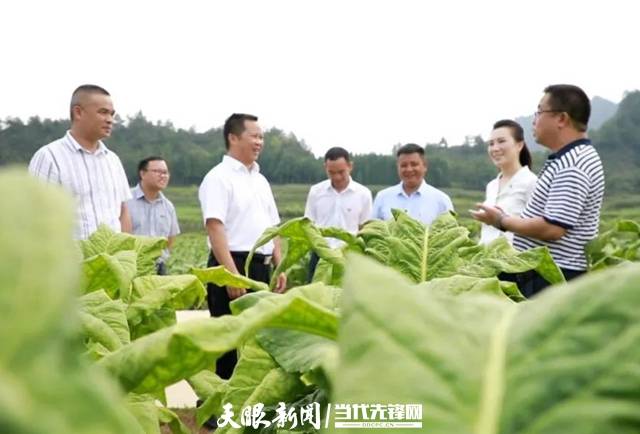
(180,395)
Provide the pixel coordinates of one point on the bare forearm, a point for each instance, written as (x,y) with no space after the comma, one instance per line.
(125,219)
(277,252)
(533,227)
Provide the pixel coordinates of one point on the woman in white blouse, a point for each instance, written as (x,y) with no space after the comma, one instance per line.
(513,186)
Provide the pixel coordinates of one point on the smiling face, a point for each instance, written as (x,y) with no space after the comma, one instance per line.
(156,176)
(503,149)
(93,116)
(246,147)
(411,170)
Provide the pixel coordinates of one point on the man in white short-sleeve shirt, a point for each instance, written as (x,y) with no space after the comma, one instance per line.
(237,206)
(338,201)
(83,165)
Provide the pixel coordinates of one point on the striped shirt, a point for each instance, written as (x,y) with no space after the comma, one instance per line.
(568,194)
(96,180)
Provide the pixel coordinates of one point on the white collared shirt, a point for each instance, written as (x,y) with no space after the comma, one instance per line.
(347,209)
(97,181)
(242,200)
(512,199)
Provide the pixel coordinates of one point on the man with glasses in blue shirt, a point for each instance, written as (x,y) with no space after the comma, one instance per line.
(152,214)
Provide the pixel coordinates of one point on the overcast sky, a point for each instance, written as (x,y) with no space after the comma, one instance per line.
(360,74)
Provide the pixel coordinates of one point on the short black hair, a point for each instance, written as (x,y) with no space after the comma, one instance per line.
(83,90)
(235,125)
(410,148)
(518,135)
(143,164)
(571,100)
(336,153)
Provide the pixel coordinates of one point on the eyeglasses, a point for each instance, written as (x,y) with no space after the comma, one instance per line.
(159,172)
(537,113)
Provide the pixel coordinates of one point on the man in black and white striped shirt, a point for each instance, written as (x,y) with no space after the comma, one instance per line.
(563,212)
(83,165)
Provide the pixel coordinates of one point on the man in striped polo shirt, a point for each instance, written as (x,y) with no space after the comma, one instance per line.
(563,212)
(83,165)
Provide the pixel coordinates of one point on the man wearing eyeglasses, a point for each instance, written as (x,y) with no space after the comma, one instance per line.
(563,212)
(152,214)
(82,164)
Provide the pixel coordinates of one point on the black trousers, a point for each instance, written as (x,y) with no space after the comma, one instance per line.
(218,300)
(530,282)
(313,263)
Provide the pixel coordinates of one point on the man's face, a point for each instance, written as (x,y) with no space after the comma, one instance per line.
(545,125)
(94,115)
(338,171)
(156,176)
(411,169)
(247,146)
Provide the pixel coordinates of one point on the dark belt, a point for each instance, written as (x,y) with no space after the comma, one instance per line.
(258,258)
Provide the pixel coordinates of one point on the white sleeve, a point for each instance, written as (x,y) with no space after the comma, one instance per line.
(365,214)
(308,209)
(376,213)
(447,202)
(214,198)
(175,228)
(529,188)
(275,217)
(124,191)
(42,166)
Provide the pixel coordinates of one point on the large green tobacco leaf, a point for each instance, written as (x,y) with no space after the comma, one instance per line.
(499,256)
(222,277)
(157,360)
(104,322)
(256,379)
(418,251)
(152,293)
(444,249)
(302,237)
(456,285)
(150,415)
(619,244)
(565,362)
(210,389)
(112,273)
(46,385)
(319,293)
(296,352)
(157,320)
(148,250)
(105,240)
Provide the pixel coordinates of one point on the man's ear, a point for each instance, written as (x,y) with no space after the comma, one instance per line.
(76,110)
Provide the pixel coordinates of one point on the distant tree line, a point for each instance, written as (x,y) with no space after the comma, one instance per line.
(287,159)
